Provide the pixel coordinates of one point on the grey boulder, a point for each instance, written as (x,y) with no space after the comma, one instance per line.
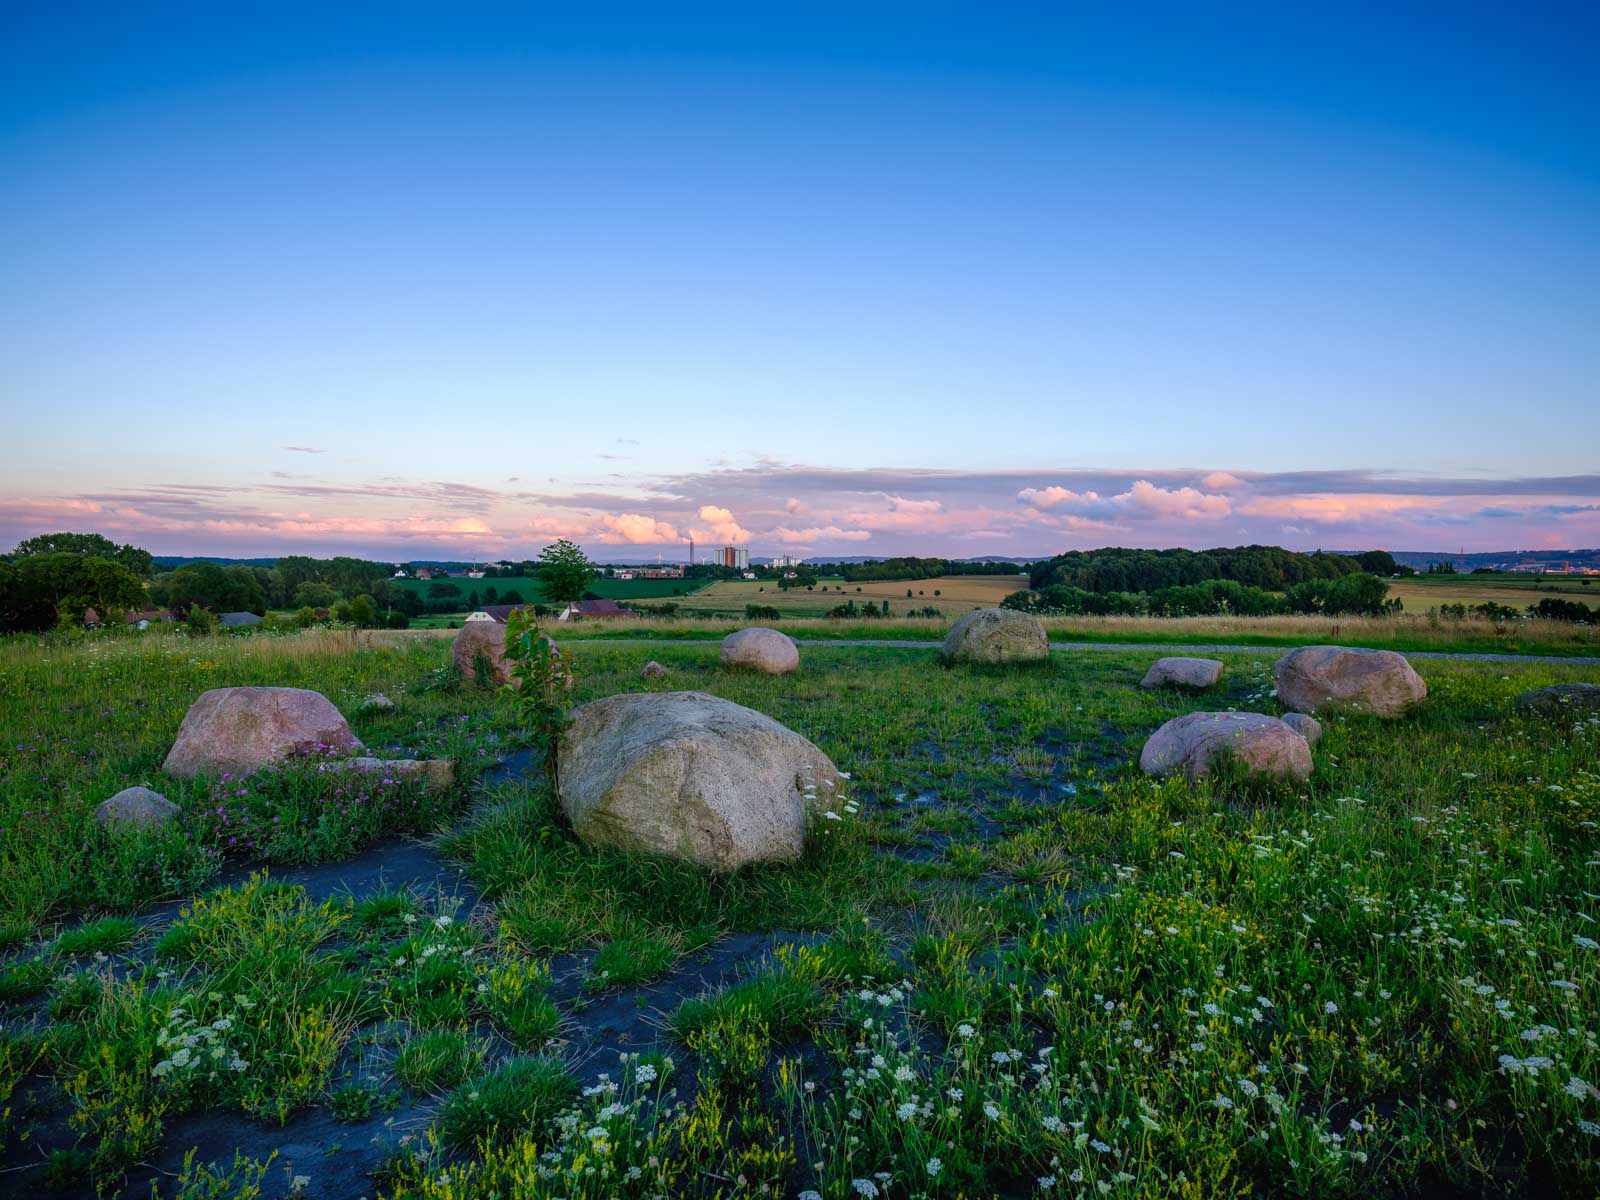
(996,635)
(135,808)
(1182,672)
(1307,727)
(693,776)
(1196,742)
(652,670)
(760,649)
(1380,682)
(240,730)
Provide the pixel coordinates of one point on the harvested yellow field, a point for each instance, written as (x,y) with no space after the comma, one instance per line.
(952,595)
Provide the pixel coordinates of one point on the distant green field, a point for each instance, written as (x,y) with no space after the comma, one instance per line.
(608,589)
(1421,592)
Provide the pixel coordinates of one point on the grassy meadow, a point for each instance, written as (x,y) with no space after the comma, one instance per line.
(952,595)
(1014,966)
(1405,632)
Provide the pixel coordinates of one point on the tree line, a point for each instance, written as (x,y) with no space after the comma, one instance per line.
(1270,568)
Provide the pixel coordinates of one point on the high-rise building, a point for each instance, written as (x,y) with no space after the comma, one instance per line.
(729,556)
(741,558)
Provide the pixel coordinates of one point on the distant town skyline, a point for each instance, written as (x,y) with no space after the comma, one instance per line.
(884,280)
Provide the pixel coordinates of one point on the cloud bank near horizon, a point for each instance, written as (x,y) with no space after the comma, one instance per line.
(776,507)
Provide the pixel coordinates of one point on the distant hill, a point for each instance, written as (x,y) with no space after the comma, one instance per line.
(171,562)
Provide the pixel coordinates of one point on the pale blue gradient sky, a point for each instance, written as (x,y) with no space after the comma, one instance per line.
(583,271)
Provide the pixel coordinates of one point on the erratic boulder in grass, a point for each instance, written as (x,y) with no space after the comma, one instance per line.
(481,641)
(1307,727)
(1559,699)
(240,730)
(1196,742)
(996,635)
(760,649)
(135,808)
(692,776)
(652,670)
(377,701)
(1380,682)
(1182,672)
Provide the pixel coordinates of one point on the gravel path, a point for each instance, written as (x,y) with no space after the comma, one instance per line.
(1172,647)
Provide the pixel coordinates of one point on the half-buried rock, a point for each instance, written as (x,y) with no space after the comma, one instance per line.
(693,776)
(760,649)
(135,808)
(996,635)
(1380,682)
(479,653)
(1196,743)
(240,730)
(1560,699)
(1194,673)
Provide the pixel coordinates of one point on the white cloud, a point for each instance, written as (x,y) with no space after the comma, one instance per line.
(901,504)
(826,533)
(1143,499)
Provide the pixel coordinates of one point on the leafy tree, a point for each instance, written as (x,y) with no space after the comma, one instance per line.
(42,590)
(315,594)
(1377,562)
(512,596)
(565,572)
(441,589)
(90,545)
(363,612)
(210,585)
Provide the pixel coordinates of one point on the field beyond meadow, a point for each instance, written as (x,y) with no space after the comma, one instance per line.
(1016,967)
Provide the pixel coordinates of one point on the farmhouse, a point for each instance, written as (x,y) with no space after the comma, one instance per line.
(582,610)
(604,610)
(144,619)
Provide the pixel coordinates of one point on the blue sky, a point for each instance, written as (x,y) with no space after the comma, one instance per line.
(936,279)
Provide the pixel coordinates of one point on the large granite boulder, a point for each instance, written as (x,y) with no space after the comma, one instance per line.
(483,641)
(1197,673)
(135,808)
(1560,698)
(1307,727)
(1196,742)
(692,776)
(996,635)
(242,729)
(1372,681)
(760,649)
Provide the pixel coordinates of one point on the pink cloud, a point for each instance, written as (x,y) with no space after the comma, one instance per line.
(720,526)
(634,529)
